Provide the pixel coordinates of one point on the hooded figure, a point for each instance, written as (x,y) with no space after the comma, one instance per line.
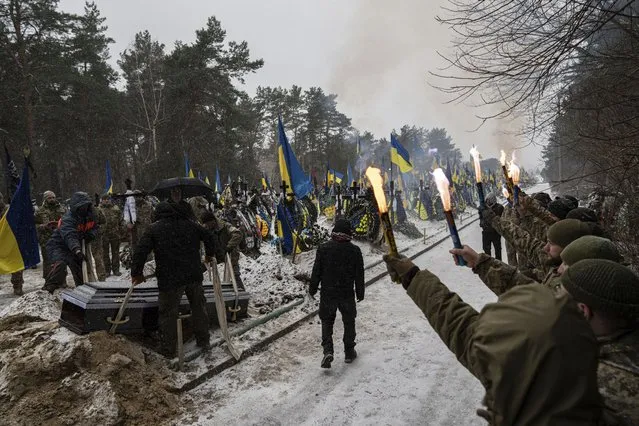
(65,245)
(532,350)
(489,236)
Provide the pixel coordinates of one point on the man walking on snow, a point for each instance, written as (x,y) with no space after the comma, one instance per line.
(339,267)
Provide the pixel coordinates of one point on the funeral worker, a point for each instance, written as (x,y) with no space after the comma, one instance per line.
(551,349)
(489,236)
(607,293)
(65,245)
(46,219)
(175,241)
(228,237)
(339,268)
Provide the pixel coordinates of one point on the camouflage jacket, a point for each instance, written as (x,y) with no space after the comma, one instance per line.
(112,216)
(144,212)
(618,374)
(228,238)
(525,243)
(535,226)
(533,207)
(46,219)
(500,277)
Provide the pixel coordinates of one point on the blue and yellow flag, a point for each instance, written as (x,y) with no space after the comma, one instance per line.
(334,176)
(18,236)
(218,182)
(290,169)
(188,171)
(265,183)
(206,180)
(108,188)
(399,156)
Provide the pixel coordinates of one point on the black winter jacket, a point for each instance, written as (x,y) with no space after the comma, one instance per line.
(75,225)
(486,227)
(338,266)
(175,241)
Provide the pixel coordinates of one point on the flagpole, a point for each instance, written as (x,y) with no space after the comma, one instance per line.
(391,186)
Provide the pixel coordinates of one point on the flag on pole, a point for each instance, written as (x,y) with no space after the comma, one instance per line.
(18,236)
(188,171)
(108,188)
(218,181)
(290,169)
(399,156)
(349,175)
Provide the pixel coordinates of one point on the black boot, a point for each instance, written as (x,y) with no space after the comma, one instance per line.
(326,361)
(349,355)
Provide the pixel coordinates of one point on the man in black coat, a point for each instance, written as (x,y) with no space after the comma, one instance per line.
(175,241)
(489,236)
(339,267)
(65,245)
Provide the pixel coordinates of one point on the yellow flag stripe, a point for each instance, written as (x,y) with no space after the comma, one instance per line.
(10,256)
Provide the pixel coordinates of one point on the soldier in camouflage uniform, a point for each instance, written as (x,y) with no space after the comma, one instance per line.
(97,245)
(144,215)
(46,219)
(16,278)
(228,238)
(110,232)
(608,295)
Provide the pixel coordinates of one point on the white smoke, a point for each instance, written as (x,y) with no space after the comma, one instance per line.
(381,76)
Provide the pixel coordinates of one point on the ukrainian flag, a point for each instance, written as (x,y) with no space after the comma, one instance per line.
(399,156)
(188,171)
(218,181)
(334,176)
(18,237)
(290,170)
(206,180)
(108,189)
(265,183)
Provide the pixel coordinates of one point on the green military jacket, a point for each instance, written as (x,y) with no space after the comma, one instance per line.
(112,216)
(46,219)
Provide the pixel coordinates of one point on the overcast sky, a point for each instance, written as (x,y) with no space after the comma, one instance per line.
(374,54)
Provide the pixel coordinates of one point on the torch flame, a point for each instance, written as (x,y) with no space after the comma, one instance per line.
(504,191)
(475,154)
(442,186)
(513,172)
(375,178)
(502,158)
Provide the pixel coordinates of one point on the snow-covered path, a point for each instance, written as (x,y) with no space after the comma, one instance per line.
(403,375)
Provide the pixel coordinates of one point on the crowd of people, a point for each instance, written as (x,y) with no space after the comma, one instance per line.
(561,344)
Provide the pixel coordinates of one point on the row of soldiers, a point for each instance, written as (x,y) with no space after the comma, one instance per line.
(561,344)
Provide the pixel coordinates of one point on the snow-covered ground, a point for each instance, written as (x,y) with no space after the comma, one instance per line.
(404,374)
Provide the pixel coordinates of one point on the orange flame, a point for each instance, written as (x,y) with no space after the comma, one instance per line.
(502,158)
(504,191)
(475,154)
(375,178)
(513,172)
(442,186)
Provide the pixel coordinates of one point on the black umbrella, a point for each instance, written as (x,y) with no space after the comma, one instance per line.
(190,187)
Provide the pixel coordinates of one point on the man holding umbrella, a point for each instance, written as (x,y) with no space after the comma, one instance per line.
(175,241)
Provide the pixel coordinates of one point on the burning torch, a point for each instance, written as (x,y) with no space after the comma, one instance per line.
(480,185)
(375,177)
(509,181)
(504,191)
(442,186)
(513,171)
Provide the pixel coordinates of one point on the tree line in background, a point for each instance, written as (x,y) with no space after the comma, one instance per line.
(571,68)
(62,101)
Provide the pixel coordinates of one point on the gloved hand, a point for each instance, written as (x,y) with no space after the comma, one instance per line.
(138,279)
(79,255)
(398,267)
(470,256)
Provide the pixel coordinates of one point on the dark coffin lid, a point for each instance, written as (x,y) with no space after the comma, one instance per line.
(110,294)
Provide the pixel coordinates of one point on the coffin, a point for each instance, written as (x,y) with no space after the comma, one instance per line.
(87,308)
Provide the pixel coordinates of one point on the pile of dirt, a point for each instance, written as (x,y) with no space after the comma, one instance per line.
(48,375)
(39,303)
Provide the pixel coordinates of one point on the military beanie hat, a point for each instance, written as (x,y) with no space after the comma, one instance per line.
(566,231)
(590,247)
(605,285)
(48,194)
(584,214)
(560,207)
